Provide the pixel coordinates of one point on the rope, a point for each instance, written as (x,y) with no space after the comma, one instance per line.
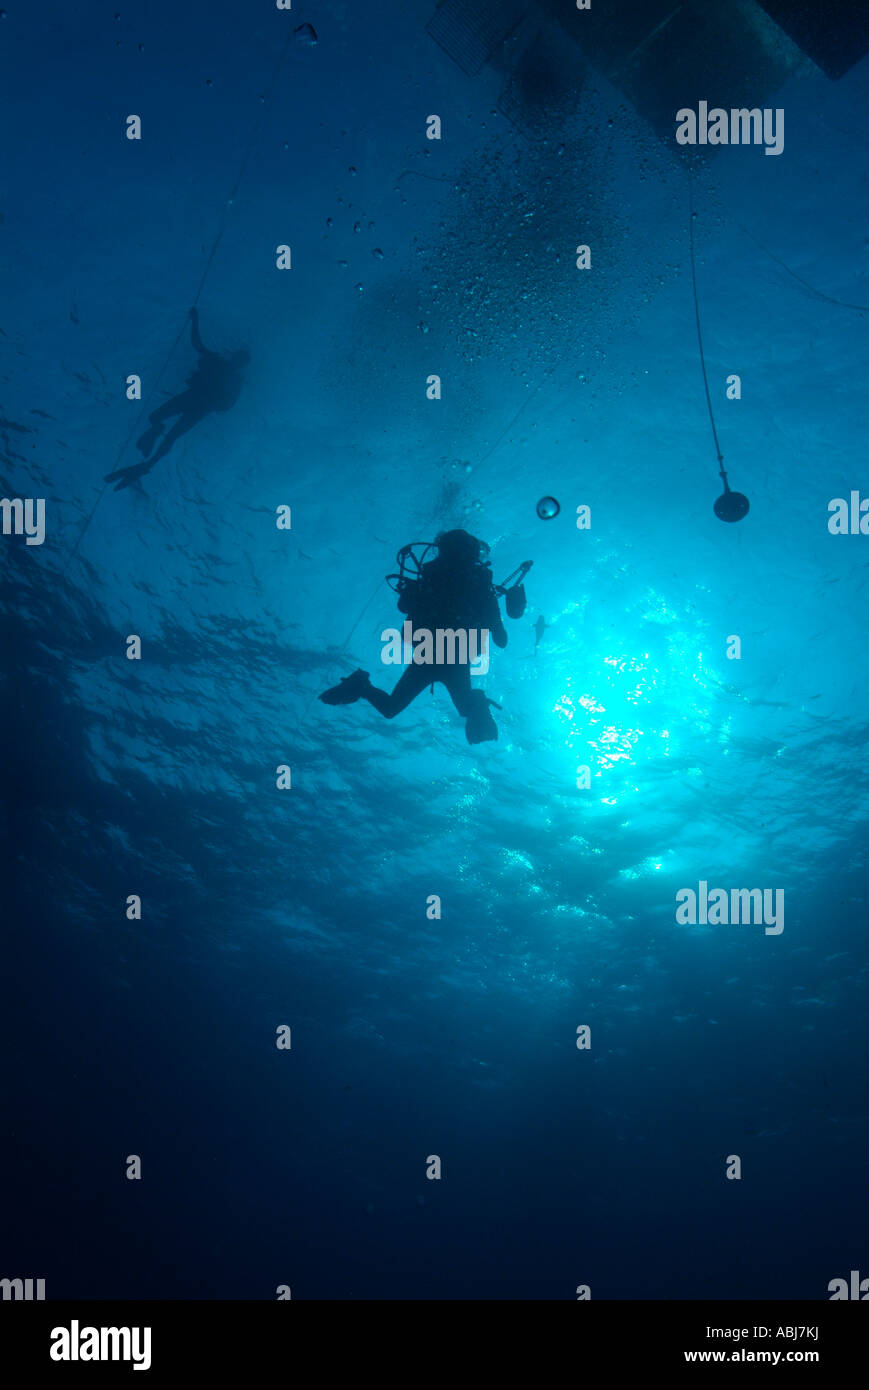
(700,334)
(818,294)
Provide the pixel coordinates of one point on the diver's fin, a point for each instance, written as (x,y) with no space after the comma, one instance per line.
(348,691)
(127,475)
(480,727)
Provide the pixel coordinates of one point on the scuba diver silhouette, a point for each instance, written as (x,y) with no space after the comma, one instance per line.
(452,594)
(214,385)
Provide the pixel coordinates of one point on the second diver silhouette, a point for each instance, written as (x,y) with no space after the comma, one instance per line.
(213,386)
(452,593)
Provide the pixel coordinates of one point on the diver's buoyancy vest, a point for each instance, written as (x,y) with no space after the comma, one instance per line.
(451,598)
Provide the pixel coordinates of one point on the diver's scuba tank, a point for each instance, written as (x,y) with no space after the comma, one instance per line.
(514,594)
(409,565)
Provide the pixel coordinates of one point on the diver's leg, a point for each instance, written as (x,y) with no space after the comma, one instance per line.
(457,680)
(176,405)
(408,686)
(471,704)
(180,427)
(157,421)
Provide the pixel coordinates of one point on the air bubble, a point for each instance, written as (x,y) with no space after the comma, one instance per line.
(547,508)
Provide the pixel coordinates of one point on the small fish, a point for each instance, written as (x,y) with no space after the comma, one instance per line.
(539,629)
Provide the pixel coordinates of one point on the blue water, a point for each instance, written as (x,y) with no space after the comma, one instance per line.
(306,907)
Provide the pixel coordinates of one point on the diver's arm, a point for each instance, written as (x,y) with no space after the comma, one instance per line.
(495,622)
(194,331)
